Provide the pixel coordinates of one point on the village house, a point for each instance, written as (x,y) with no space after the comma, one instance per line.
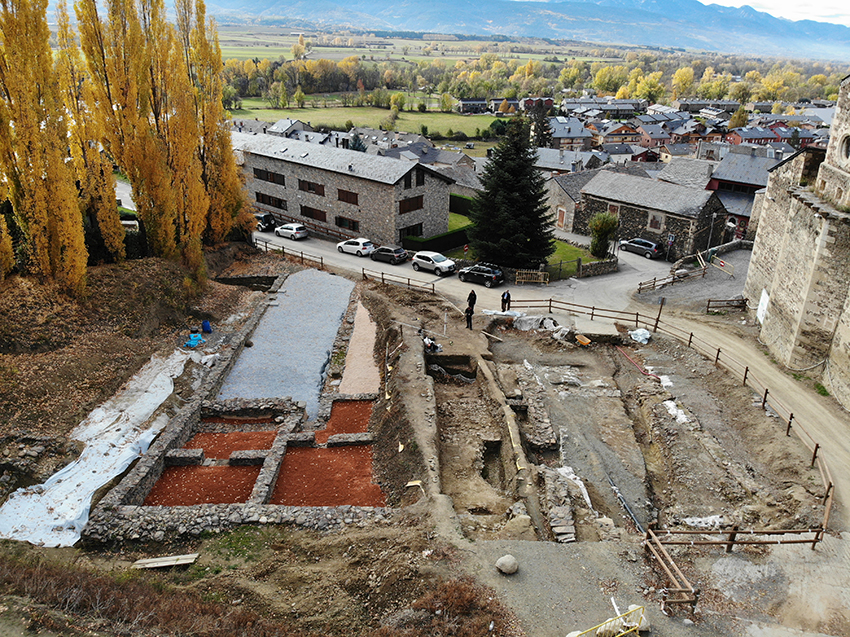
(652,135)
(472,105)
(669,151)
(799,273)
(342,193)
(615,133)
(696,105)
(550,160)
(530,103)
(750,135)
(569,133)
(684,219)
(496,104)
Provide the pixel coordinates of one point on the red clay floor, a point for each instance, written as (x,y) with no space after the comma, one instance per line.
(327,477)
(347,417)
(221,445)
(187,486)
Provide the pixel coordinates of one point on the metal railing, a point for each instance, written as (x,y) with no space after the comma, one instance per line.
(628,623)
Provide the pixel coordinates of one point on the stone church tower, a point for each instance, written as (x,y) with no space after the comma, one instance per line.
(799,275)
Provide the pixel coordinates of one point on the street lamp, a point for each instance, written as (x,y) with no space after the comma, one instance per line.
(711,232)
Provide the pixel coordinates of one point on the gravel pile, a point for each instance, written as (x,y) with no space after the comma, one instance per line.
(293,342)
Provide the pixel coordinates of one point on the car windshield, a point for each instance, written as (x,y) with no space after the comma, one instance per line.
(439,258)
(366,244)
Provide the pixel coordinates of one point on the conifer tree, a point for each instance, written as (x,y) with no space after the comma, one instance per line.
(511,222)
(541,126)
(33,143)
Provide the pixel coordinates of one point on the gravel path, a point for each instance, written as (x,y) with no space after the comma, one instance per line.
(361,374)
(293,342)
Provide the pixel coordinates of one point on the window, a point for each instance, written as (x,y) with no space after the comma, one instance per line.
(656,221)
(613,209)
(268,200)
(313,213)
(420,177)
(310,186)
(265,175)
(347,196)
(411,204)
(410,231)
(348,224)
(408,181)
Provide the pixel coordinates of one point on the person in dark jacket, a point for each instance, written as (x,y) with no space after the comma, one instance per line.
(469,312)
(506,300)
(470,300)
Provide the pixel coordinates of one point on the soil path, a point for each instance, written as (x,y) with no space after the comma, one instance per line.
(361,374)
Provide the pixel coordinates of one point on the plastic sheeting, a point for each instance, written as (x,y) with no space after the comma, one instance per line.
(116,433)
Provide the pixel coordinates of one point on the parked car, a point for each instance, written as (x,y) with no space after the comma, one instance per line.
(641,246)
(265,222)
(487,273)
(434,262)
(390,254)
(361,247)
(292,231)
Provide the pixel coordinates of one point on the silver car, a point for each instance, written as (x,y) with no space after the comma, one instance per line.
(361,247)
(292,231)
(434,262)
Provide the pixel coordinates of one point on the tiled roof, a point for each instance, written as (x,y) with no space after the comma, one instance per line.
(648,193)
(372,167)
(573,183)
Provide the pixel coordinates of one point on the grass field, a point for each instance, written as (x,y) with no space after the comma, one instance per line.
(336,117)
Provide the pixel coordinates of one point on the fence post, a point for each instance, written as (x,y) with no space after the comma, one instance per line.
(707,305)
(637,320)
(788,428)
(746,373)
(815,454)
(828,491)
(690,339)
(578,267)
(764,399)
(658,317)
(717,358)
(550,305)
(732,537)
(592,312)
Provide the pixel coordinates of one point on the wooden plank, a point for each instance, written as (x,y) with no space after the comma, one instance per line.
(172,560)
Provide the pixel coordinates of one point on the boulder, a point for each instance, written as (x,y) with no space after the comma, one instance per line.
(507,564)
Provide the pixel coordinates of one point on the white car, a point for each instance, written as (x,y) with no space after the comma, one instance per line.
(292,231)
(434,262)
(361,247)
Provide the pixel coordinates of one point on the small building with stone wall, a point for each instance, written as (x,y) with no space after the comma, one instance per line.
(655,211)
(343,193)
(799,275)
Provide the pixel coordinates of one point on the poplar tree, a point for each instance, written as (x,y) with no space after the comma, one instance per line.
(92,168)
(511,222)
(33,143)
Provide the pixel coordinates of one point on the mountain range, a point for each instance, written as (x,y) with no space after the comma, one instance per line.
(684,24)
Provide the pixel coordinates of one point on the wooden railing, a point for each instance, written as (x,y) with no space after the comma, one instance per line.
(683,592)
(655,283)
(722,304)
(302,257)
(398,280)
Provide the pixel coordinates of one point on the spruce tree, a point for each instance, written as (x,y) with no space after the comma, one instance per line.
(541,127)
(511,222)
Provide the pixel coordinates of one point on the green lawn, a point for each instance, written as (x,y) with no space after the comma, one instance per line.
(336,117)
(561,264)
(456,221)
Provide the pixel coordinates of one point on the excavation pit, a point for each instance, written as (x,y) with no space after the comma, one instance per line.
(331,477)
(192,485)
(220,445)
(347,417)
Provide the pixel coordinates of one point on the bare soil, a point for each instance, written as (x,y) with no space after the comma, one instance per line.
(439,425)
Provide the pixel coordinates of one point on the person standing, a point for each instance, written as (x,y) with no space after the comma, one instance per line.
(469,312)
(506,300)
(471,299)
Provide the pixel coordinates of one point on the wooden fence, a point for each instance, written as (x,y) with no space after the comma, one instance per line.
(532,276)
(295,254)
(398,280)
(655,283)
(683,592)
(722,304)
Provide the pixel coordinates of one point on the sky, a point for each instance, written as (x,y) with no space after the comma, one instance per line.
(835,11)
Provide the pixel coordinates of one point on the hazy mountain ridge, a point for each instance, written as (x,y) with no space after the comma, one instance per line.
(666,23)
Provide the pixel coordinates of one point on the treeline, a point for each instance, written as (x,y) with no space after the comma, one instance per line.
(137,93)
(657,76)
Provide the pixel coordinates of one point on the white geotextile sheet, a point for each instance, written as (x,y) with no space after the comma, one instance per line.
(115,434)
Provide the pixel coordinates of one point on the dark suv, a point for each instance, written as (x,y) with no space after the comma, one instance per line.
(641,246)
(390,254)
(487,273)
(265,222)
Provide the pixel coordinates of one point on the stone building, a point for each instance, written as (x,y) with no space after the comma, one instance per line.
(343,193)
(799,275)
(689,219)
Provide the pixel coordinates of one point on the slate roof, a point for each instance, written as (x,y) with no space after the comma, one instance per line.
(648,193)
(677,149)
(739,204)
(555,159)
(573,183)
(618,149)
(372,167)
(744,169)
(569,128)
(754,132)
(461,175)
(425,153)
(684,171)
(654,131)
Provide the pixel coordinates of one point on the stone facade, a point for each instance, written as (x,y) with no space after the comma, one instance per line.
(366,198)
(799,275)
(691,233)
